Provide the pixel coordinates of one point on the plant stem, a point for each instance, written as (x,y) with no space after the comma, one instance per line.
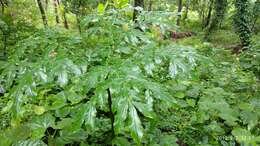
(111,112)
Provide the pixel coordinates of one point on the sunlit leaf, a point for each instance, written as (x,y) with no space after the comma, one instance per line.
(135,126)
(63,78)
(121,106)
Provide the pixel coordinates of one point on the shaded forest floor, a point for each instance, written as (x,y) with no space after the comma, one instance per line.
(224,39)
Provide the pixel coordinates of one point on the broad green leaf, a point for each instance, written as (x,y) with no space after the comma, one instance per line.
(230,115)
(63,78)
(66,137)
(125,50)
(101,8)
(168,140)
(246,106)
(90,115)
(191,102)
(160,93)
(121,109)
(179,95)
(73,97)
(83,113)
(57,101)
(135,126)
(15,134)
(64,123)
(144,109)
(215,127)
(94,77)
(173,70)
(42,76)
(121,141)
(101,96)
(249,118)
(4,140)
(62,112)
(73,68)
(120,3)
(30,143)
(39,110)
(40,123)
(176,67)
(149,68)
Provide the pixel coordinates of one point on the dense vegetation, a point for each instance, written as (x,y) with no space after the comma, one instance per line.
(130,72)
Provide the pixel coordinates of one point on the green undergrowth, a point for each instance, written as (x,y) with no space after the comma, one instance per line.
(116,85)
(220,39)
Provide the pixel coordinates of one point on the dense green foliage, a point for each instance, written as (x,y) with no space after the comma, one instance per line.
(242,22)
(109,80)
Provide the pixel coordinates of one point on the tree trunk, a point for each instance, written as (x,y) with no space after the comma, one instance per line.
(187,6)
(206,23)
(4,41)
(55,3)
(44,18)
(150,7)
(219,13)
(46,5)
(5,45)
(202,13)
(65,22)
(78,23)
(78,14)
(2,6)
(256,14)
(179,12)
(137,3)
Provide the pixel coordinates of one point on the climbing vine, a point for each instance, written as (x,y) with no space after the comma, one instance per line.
(242,22)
